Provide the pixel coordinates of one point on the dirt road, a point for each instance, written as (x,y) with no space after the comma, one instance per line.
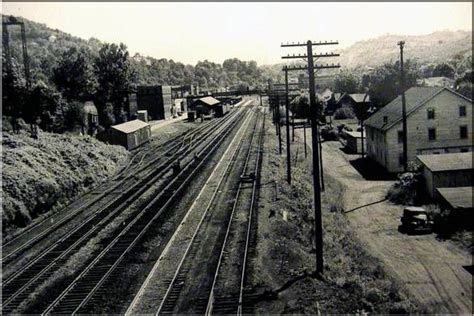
(433,271)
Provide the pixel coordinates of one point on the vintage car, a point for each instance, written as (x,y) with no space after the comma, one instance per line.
(416,220)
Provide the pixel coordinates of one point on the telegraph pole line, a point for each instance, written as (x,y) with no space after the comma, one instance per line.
(404,110)
(314,137)
(287,105)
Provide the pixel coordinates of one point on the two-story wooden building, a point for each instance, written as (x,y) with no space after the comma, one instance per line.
(439,120)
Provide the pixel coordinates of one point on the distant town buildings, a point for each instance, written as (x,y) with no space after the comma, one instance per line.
(439,121)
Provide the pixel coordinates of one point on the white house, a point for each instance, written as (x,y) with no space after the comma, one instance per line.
(439,120)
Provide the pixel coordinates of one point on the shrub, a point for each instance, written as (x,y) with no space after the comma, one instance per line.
(408,190)
(343,113)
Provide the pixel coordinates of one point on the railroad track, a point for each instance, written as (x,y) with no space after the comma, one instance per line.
(107,264)
(228,287)
(35,233)
(18,286)
(168,279)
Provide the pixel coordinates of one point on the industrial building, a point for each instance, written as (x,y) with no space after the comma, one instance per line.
(439,120)
(446,171)
(156,100)
(129,134)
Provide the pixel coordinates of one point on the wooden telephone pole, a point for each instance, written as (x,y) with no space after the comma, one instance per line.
(287,105)
(404,110)
(318,227)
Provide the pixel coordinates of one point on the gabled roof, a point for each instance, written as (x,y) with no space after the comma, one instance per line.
(359,97)
(415,97)
(459,197)
(209,100)
(131,126)
(447,162)
(356,97)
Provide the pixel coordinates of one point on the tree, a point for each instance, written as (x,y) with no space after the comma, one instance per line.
(74,75)
(383,83)
(443,70)
(115,76)
(347,82)
(74,116)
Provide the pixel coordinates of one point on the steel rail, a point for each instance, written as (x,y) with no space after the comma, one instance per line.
(173,237)
(31,241)
(128,231)
(196,231)
(211,299)
(72,246)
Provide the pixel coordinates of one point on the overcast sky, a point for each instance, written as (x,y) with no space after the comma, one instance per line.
(188,32)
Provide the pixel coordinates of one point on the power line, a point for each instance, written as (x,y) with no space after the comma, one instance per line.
(311,67)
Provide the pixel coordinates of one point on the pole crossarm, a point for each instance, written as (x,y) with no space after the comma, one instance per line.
(314,56)
(327,66)
(290,68)
(293,44)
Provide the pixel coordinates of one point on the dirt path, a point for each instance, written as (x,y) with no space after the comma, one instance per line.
(431,270)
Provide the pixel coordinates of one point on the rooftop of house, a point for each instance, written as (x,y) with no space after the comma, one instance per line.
(209,100)
(436,82)
(131,126)
(390,114)
(447,162)
(354,134)
(460,197)
(356,97)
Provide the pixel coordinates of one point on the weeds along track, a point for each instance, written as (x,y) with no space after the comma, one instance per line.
(18,286)
(129,177)
(179,282)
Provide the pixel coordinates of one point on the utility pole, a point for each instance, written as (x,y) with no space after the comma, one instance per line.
(314,136)
(11,21)
(404,110)
(287,105)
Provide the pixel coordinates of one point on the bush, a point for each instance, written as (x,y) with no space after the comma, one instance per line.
(408,190)
(328,133)
(44,174)
(344,113)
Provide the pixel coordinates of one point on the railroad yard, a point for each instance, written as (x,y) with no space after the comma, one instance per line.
(321,182)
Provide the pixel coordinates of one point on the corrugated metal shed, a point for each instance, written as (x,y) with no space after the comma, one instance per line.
(415,97)
(460,197)
(130,127)
(447,162)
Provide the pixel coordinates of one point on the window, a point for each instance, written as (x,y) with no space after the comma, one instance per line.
(431,133)
(431,113)
(385,119)
(400,137)
(463,132)
(464,150)
(462,110)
